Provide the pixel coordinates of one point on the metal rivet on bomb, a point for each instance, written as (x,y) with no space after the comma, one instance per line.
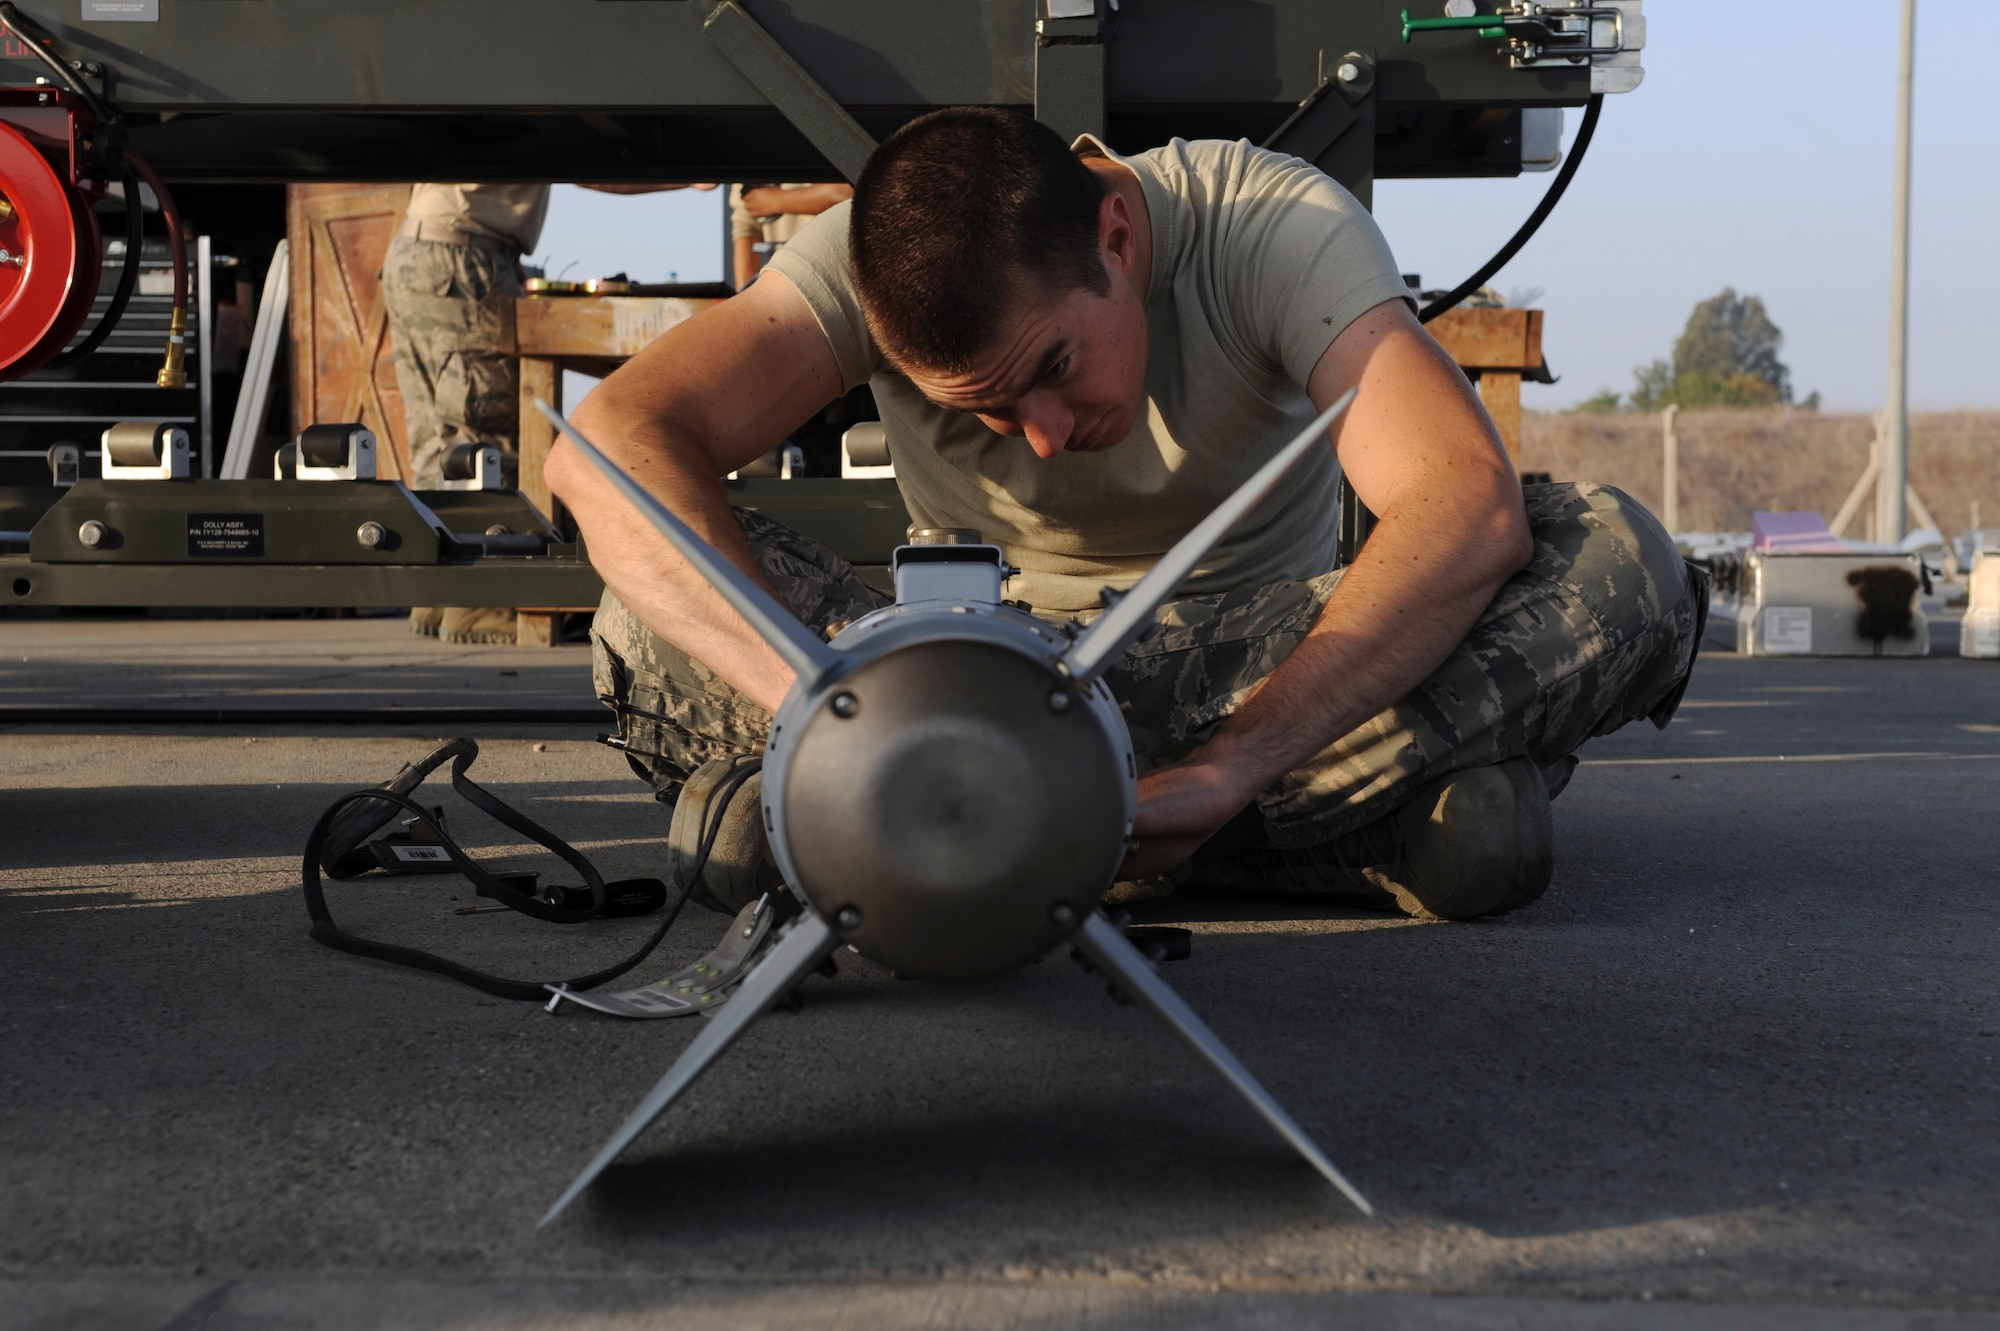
(845,704)
(848,919)
(371,535)
(1058,701)
(92,533)
(1063,914)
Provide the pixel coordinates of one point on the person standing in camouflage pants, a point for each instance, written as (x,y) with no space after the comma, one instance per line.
(452,325)
(449,281)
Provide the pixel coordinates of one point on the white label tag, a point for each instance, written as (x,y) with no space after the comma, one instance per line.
(634,324)
(121,11)
(422,854)
(1788,630)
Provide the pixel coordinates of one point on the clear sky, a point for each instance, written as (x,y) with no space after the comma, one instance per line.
(1757,154)
(645,236)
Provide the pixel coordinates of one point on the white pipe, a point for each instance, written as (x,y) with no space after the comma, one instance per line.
(1672,446)
(1891,522)
(255,393)
(204,284)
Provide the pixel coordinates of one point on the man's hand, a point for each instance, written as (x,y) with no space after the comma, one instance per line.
(1423,455)
(1179,808)
(699,402)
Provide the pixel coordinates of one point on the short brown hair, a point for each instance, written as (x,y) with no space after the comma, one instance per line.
(958,215)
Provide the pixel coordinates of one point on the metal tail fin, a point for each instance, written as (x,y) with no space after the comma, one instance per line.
(808,944)
(803,651)
(1105,641)
(1110,951)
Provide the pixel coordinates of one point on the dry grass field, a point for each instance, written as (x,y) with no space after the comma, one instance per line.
(1735,461)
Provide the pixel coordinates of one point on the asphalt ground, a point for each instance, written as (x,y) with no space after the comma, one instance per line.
(114,666)
(1737,1068)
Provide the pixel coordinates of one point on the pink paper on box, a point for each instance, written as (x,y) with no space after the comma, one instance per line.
(1803,532)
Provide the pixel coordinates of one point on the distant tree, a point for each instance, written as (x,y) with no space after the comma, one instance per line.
(1728,336)
(1727,356)
(1602,403)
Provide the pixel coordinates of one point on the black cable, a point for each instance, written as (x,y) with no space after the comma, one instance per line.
(128,279)
(324,930)
(10,19)
(1529,227)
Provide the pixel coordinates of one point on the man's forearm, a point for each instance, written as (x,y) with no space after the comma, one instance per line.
(1397,613)
(645,572)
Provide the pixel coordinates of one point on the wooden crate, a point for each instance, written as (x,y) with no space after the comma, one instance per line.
(343,362)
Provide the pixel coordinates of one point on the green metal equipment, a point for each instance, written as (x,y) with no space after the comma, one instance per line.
(269,91)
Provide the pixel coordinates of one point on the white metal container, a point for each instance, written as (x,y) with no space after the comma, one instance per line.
(1832,605)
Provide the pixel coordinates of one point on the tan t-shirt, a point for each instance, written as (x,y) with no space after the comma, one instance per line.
(1259,262)
(513,213)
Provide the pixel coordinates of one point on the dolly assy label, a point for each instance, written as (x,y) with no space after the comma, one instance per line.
(226,535)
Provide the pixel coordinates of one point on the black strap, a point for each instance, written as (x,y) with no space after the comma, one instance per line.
(324,930)
(487,885)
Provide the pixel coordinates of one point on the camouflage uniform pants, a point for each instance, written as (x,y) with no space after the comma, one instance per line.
(1599,629)
(451,315)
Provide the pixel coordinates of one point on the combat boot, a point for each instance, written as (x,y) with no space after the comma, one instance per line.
(490,626)
(1475,842)
(722,807)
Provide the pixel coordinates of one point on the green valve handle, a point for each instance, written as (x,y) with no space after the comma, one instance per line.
(1487,25)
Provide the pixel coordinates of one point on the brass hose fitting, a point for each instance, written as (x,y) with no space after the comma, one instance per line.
(173,374)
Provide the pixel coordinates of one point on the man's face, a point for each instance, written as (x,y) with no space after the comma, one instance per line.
(1067,371)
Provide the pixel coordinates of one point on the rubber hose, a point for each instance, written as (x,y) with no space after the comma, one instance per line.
(128,279)
(1529,227)
(176,237)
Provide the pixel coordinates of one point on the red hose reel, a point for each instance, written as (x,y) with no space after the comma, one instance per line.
(50,248)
